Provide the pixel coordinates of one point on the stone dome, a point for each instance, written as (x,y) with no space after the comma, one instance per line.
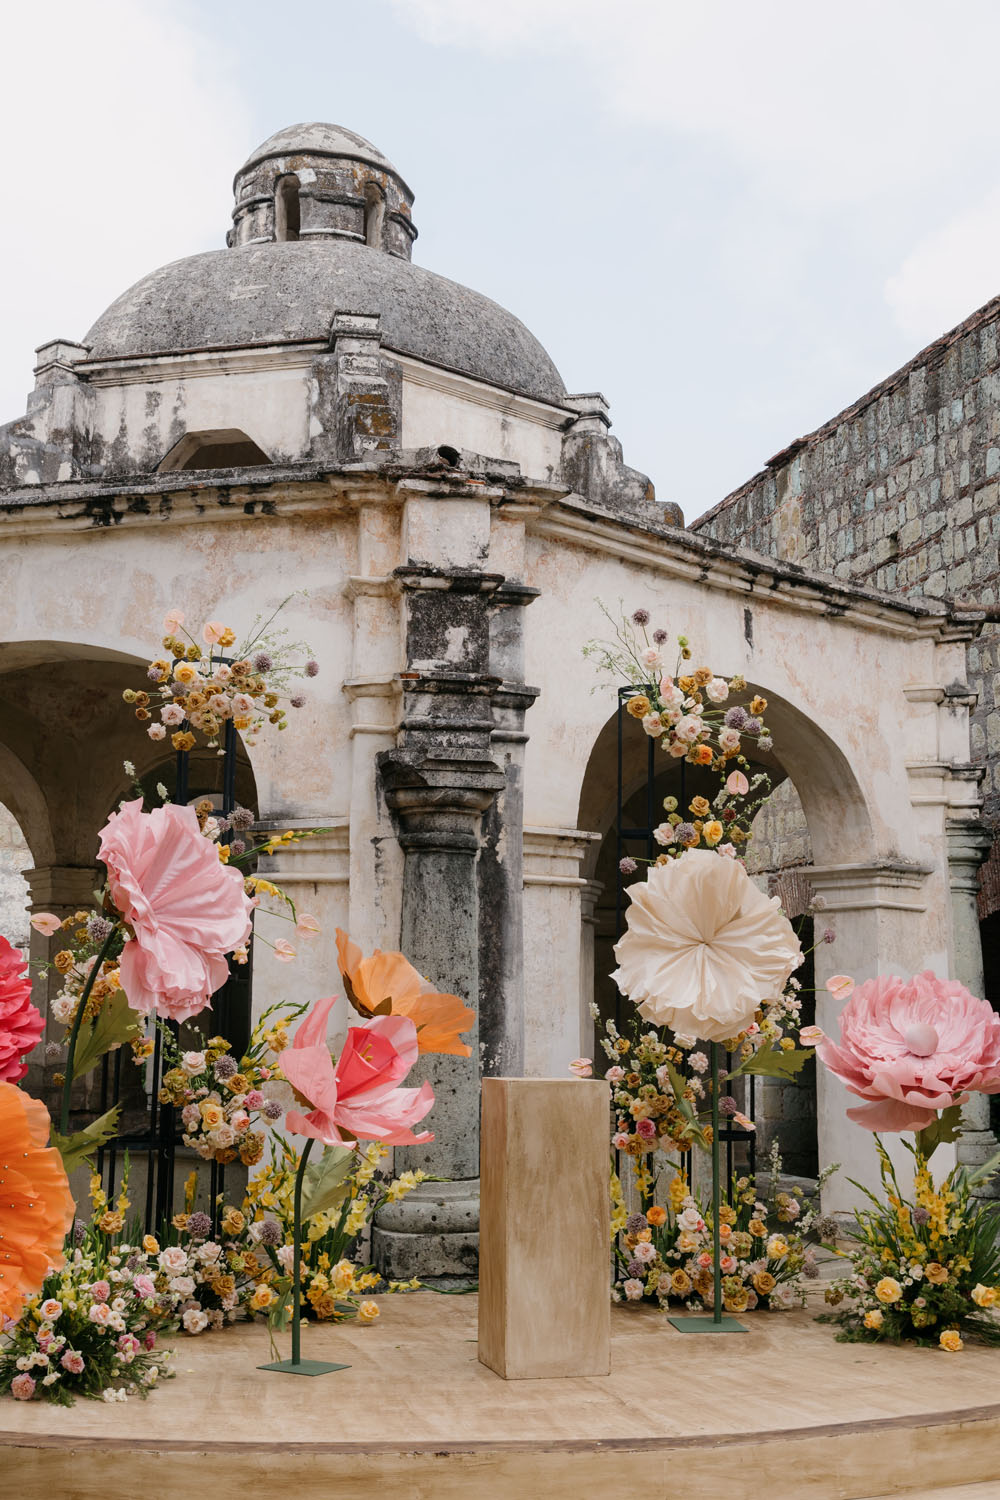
(317,139)
(288,292)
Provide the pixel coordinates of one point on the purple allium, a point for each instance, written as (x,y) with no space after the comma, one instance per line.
(627,865)
(765,743)
(272,1110)
(727,1105)
(827,1228)
(199,1226)
(636,1268)
(263,662)
(636,1223)
(53,1052)
(225,1067)
(240,819)
(298,701)
(153,674)
(236,848)
(659,637)
(920,1216)
(178,689)
(736,717)
(224,825)
(686,833)
(809,1267)
(312,668)
(79,1231)
(751,726)
(98,928)
(270,1232)
(829,935)
(640,616)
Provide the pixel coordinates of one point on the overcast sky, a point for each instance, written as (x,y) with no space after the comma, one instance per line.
(733,219)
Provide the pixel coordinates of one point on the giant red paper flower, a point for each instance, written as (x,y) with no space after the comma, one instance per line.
(36,1205)
(187,910)
(359,1099)
(911,1047)
(388,980)
(20,1023)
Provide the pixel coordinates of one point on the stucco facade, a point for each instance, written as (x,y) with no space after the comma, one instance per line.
(445,517)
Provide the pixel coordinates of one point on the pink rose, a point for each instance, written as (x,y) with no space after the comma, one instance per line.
(646,1130)
(172,713)
(254,1099)
(144,1285)
(911,1047)
(73,1362)
(100,1291)
(615,1074)
(100,1314)
(22,1387)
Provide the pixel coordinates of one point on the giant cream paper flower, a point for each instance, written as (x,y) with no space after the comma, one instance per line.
(703,947)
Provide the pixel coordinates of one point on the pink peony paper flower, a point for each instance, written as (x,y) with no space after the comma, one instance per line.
(359,1100)
(911,1047)
(187,910)
(20,1023)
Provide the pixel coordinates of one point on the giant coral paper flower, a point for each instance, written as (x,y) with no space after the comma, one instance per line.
(703,947)
(20,1023)
(186,909)
(910,1047)
(359,1099)
(36,1205)
(388,983)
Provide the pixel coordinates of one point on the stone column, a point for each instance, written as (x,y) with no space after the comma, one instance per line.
(501,861)
(438,782)
(968,844)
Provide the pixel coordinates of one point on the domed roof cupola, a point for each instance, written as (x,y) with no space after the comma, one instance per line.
(321,182)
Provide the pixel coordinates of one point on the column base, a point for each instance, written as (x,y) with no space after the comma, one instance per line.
(432,1232)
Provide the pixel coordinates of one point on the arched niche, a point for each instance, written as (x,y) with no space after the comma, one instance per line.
(287,208)
(221,448)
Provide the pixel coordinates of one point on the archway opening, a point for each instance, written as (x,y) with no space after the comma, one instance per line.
(223,448)
(287,208)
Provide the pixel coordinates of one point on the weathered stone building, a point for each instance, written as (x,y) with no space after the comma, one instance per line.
(307,412)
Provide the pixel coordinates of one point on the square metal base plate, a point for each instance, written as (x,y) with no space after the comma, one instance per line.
(705,1323)
(304,1367)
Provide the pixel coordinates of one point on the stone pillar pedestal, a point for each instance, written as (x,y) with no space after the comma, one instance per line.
(968,846)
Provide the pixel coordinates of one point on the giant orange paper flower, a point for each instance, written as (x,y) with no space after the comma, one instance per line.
(387,984)
(36,1205)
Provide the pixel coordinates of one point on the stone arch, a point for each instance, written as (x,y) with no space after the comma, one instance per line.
(221,448)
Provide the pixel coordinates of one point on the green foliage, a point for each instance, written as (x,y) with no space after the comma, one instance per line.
(326,1183)
(772,1062)
(114,1024)
(80,1147)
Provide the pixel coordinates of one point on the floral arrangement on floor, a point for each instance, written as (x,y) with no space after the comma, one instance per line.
(927,1266)
(222,1099)
(663,1252)
(246,682)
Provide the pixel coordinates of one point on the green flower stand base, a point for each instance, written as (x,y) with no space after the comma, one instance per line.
(303,1366)
(701,1323)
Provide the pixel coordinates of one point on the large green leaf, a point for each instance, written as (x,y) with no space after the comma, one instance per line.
(947,1127)
(78,1148)
(772,1062)
(324,1184)
(115,1023)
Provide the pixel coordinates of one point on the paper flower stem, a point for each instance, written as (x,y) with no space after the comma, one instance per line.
(716,1186)
(297,1255)
(75,1032)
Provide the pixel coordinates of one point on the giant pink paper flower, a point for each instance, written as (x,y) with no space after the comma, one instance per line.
(359,1099)
(20,1023)
(187,910)
(911,1047)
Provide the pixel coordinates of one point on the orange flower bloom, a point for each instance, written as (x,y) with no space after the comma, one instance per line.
(388,984)
(36,1206)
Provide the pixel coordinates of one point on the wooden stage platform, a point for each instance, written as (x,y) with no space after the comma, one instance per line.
(781,1411)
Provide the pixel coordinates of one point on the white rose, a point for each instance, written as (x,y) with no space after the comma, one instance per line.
(688,728)
(194,1320)
(717,691)
(64,1009)
(286,1255)
(645,1252)
(193,1062)
(223,1135)
(729,739)
(182,1286)
(690,1220)
(664,834)
(653,725)
(173,1260)
(209,1252)
(650,657)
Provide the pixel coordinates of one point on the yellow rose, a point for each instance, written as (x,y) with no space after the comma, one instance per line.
(150,1244)
(184,672)
(874,1319)
(888,1289)
(764,1283)
(342,1277)
(212,1115)
(233,1222)
(738,1302)
(680,1283)
(936,1273)
(262,1298)
(758,1228)
(777,1248)
(368,1311)
(638,707)
(182,740)
(110,1222)
(984,1296)
(951,1340)
(700,806)
(758,706)
(712,832)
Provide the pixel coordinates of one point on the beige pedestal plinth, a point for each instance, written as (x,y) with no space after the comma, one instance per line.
(544,1226)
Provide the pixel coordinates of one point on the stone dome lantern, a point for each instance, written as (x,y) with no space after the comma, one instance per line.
(320,181)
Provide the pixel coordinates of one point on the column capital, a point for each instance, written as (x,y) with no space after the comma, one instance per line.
(62,885)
